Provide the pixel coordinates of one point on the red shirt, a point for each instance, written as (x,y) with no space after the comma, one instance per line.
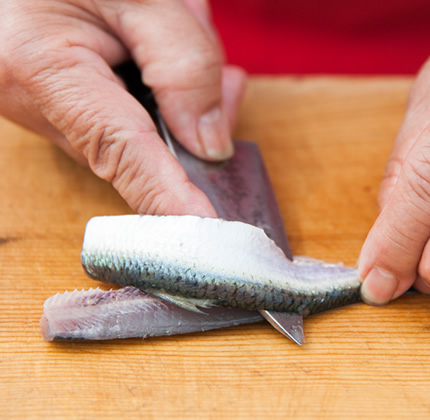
(331,36)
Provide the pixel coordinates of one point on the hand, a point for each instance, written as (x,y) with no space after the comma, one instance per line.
(56,79)
(396,253)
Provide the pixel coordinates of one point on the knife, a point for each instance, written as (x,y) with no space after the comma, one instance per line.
(239,188)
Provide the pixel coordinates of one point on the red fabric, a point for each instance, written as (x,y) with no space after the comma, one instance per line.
(331,36)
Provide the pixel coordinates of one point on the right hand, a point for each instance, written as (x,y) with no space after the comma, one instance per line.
(56,79)
(396,253)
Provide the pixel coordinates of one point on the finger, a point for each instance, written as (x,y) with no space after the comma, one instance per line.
(83,100)
(233,77)
(201,10)
(233,88)
(183,66)
(389,259)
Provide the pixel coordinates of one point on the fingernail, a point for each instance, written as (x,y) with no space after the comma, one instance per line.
(214,135)
(378,287)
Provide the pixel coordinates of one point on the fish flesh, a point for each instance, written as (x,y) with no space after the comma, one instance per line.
(205,261)
(128,312)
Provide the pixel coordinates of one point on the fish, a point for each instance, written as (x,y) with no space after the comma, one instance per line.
(200,262)
(128,312)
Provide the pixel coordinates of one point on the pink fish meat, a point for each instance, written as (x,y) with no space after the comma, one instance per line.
(96,314)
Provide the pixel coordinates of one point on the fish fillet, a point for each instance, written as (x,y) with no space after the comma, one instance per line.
(128,312)
(230,264)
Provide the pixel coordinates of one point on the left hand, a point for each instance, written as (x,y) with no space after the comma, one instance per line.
(396,253)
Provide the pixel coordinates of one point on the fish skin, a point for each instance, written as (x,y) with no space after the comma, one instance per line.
(232,264)
(97,314)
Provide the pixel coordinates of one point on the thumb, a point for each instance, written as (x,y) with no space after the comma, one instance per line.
(390,258)
(183,66)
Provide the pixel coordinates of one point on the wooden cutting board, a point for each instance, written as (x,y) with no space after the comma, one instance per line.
(325,142)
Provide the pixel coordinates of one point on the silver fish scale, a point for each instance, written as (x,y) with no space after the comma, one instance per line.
(231,292)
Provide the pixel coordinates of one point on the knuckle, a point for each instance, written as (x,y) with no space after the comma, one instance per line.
(153,201)
(13,62)
(417,179)
(119,162)
(389,179)
(202,60)
(104,152)
(148,187)
(200,68)
(416,176)
(393,168)
(143,192)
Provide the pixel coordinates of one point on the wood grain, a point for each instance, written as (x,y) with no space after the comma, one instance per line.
(325,142)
